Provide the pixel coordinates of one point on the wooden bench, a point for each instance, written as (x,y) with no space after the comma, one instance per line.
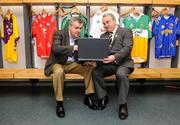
(139,73)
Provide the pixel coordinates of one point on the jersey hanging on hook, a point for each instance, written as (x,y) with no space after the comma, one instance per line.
(75,12)
(10,36)
(96,28)
(43,28)
(165,31)
(141,27)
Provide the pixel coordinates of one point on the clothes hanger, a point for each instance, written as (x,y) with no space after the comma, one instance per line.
(33,13)
(43,12)
(103,8)
(0,11)
(61,12)
(128,12)
(155,13)
(165,11)
(136,12)
(8,12)
(75,10)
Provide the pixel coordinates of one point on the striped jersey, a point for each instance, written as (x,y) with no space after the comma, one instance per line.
(141,27)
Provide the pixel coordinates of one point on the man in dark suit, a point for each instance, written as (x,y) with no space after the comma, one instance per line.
(119,62)
(62,60)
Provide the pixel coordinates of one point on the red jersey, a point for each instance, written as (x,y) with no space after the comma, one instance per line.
(43,28)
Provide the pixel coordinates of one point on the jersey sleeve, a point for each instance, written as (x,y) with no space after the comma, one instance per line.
(54,24)
(124,23)
(2,29)
(15,29)
(93,26)
(84,32)
(149,28)
(178,27)
(34,25)
(155,26)
(65,22)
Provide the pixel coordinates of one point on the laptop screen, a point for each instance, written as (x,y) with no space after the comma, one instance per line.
(92,49)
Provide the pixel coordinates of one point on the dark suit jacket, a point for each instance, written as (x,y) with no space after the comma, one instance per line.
(60,50)
(122,46)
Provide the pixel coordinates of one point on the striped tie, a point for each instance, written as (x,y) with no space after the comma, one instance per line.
(110,39)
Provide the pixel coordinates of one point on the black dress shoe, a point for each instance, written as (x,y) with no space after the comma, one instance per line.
(60,110)
(102,103)
(90,101)
(123,111)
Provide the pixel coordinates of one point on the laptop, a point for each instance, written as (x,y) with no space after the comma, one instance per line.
(92,49)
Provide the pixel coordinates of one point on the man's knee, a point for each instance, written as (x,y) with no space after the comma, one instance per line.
(121,75)
(59,72)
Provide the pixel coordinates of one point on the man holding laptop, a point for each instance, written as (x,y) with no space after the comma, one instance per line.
(113,56)
(62,61)
(119,62)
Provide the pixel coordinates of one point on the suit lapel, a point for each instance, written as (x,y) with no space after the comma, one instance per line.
(67,38)
(106,35)
(116,34)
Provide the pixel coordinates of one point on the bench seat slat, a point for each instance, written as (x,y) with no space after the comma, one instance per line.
(169,72)
(6,74)
(144,73)
(39,74)
(139,73)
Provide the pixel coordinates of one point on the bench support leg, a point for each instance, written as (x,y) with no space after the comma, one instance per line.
(34,81)
(140,88)
(141,81)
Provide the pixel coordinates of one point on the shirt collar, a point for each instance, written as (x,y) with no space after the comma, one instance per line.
(71,39)
(136,17)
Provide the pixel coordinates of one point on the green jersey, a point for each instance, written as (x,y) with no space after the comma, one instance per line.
(141,27)
(65,23)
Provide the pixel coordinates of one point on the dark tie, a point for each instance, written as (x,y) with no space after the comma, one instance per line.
(110,39)
(75,54)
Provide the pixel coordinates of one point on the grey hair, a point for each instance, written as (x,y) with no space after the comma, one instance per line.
(74,19)
(111,15)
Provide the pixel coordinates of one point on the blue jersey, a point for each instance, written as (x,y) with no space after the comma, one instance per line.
(165,29)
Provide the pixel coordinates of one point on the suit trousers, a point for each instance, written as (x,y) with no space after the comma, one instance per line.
(59,72)
(121,73)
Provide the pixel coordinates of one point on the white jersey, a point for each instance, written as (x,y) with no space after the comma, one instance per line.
(96,28)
